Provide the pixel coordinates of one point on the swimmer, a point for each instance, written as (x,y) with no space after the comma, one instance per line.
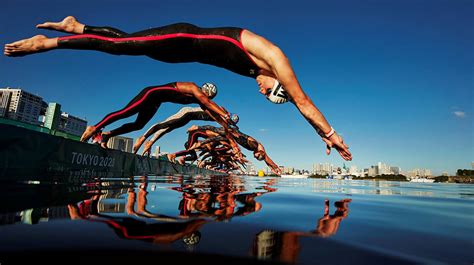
(235,49)
(147,102)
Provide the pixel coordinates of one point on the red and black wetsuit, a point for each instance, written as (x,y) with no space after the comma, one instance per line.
(176,43)
(146,103)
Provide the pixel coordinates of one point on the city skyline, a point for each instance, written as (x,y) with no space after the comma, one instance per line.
(393,77)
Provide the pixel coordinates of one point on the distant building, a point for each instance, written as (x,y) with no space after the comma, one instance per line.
(373,171)
(17,104)
(323,169)
(419,173)
(55,119)
(353,171)
(52,116)
(288,170)
(250,169)
(157,151)
(383,169)
(395,170)
(121,143)
(71,124)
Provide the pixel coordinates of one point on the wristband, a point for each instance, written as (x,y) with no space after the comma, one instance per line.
(330,133)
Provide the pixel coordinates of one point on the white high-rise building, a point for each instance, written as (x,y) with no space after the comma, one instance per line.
(322,169)
(157,151)
(17,104)
(372,171)
(383,169)
(353,171)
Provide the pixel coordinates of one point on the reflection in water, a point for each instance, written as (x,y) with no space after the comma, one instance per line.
(203,200)
(124,207)
(266,219)
(285,246)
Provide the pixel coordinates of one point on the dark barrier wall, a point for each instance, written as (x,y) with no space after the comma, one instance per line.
(26,153)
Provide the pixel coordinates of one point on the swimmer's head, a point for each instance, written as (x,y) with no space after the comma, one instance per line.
(234,118)
(209,89)
(259,155)
(272,89)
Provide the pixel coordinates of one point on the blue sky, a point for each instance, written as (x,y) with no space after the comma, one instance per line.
(395,78)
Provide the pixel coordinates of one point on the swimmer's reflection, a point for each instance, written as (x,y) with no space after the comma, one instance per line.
(221,202)
(285,246)
(217,201)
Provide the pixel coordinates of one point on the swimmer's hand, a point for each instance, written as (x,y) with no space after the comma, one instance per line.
(277,170)
(335,141)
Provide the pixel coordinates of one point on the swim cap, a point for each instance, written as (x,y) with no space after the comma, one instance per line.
(259,155)
(209,89)
(277,94)
(234,118)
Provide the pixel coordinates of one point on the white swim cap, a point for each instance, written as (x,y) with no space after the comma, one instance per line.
(209,89)
(277,94)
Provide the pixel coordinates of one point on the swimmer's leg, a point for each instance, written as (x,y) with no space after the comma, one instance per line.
(36,44)
(71,25)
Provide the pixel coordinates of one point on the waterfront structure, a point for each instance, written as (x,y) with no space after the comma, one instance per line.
(71,124)
(55,119)
(121,143)
(20,105)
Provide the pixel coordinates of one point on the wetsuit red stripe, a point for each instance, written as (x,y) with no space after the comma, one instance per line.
(196,135)
(138,102)
(162,37)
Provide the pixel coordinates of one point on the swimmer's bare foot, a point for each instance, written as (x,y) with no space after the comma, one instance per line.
(192,128)
(138,144)
(171,157)
(181,160)
(38,43)
(200,164)
(90,130)
(69,25)
(147,148)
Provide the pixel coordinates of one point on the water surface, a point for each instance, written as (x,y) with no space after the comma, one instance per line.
(236,220)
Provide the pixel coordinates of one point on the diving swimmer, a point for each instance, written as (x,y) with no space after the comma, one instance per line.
(175,121)
(238,50)
(147,102)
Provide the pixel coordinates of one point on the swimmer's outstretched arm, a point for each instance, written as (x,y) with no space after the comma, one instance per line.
(274,62)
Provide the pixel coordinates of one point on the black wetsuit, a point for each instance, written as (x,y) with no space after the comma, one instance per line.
(176,43)
(146,103)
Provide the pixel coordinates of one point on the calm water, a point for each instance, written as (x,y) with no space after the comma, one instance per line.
(237,220)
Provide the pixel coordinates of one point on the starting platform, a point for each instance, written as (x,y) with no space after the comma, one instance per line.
(26,153)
